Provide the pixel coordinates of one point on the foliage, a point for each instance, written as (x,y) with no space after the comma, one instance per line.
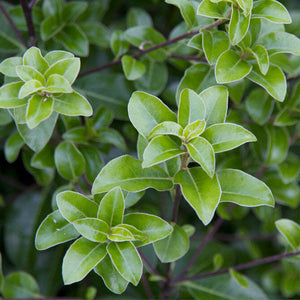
(138,159)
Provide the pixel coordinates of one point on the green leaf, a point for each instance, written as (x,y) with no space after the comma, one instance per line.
(291,232)
(214,44)
(39,108)
(110,136)
(191,107)
(227,136)
(9,95)
(246,5)
(29,87)
(120,234)
(138,17)
(200,191)
(273,82)
(67,67)
(166,128)
(137,234)
(238,26)
(132,198)
(73,10)
(111,207)
(173,246)
(243,189)
(160,149)
(289,169)
(74,206)
(103,117)
(194,129)
(82,256)
(285,118)
(271,10)
(33,57)
(8,66)
(239,278)
(20,285)
(212,10)
(262,58)
(1,274)
(259,106)
(111,277)
(69,161)
(92,229)
(54,230)
(126,260)
(54,56)
(50,27)
(93,31)
(74,39)
(58,84)
(72,104)
(133,69)
(146,111)
(118,44)
(215,99)
(131,176)
(230,67)
(154,227)
(27,73)
(202,152)
(13,146)
(278,144)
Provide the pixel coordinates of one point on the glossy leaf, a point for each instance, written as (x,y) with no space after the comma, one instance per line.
(54,56)
(262,58)
(243,189)
(82,256)
(173,246)
(289,169)
(74,206)
(54,230)
(132,177)
(110,136)
(212,10)
(226,136)
(126,260)
(13,146)
(166,128)
(33,57)
(137,234)
(246,5)
(58,84)
(133,69)
(8,66)
(9,95)
(200,191)
(29,87)
(27,73)
(194,129)
(291,232)
(120,234)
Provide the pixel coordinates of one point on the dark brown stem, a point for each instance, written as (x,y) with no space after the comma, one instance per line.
(148,264)
(13,26)
(147,287)
(32,3)
(14,183)
(158,46)
(28,17)
(188,57)
(239,267)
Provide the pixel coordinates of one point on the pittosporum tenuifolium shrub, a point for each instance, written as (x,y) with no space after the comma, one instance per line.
(167,167)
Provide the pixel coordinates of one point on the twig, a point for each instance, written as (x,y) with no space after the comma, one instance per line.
(158,46)
(149,265)
(28,17)
(32,3)
(239,267)
(176,204)
(147,287)
(13,26)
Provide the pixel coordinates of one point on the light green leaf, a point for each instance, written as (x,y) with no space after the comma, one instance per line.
(13,146)
(33,57)
(133,69)
(111,277)
(212,10)
(262,58)
(39,108)
(230,67)
(160,149)
(146,111)
(215,99)
(278,144)
(194,129)
(69,161)
(166,128)
(27,73)
(58,84)
(271,10)
(54,230)
(9,95)
(92,229)
(246,5)
(202,152)
(137,234)
(72,104)
(120,234)
(243,189)
(200,191)
(74,206)
(273,82)
(29,87)
(214,44)
(126,260)
(8,66)
(68,68)
(54,56)
(227,136)
(191,107)
(173,246)
(239,278)
(131,176)
(238,26)
(20,285)
(289,169)
(291,232)
(154,227)
(111,207)
(82,256)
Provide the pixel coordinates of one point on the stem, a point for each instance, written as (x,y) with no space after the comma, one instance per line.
(149,265)
(32,3)
(176,204)
(147,287)
(248,265)
(28,16)
(13,26)
(158,46)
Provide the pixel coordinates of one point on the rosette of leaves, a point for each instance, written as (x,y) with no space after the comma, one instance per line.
(41,85)
(106,239)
